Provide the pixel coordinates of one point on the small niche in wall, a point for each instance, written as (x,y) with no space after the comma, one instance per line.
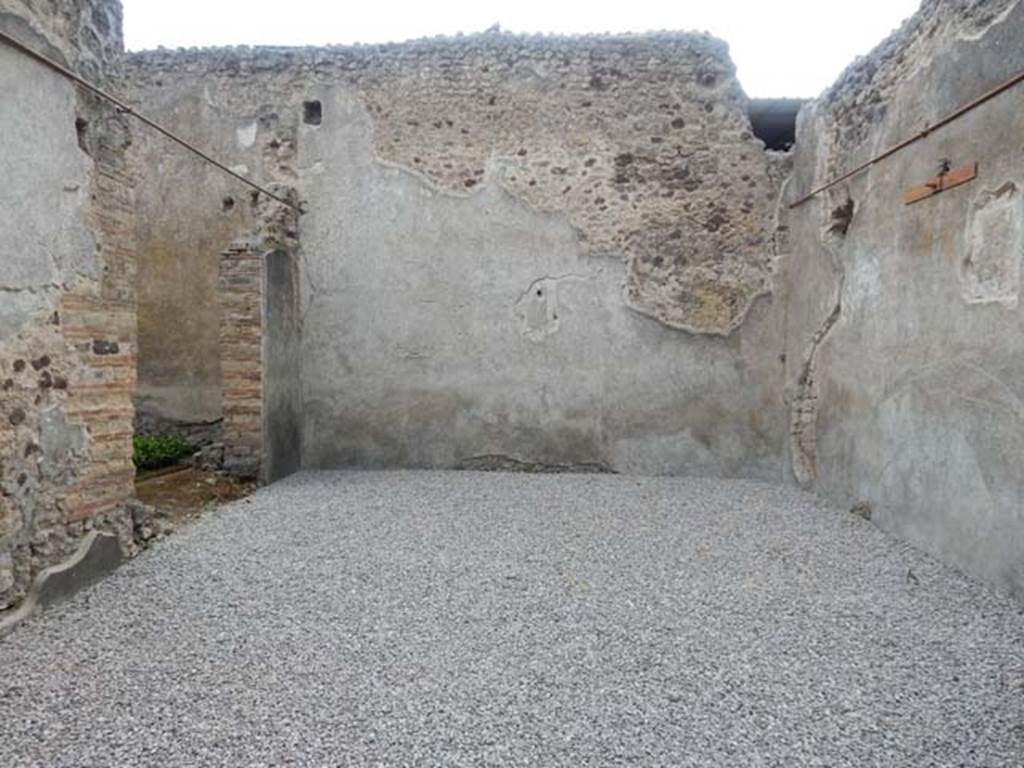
(82,133)
(312,112)
(773,121)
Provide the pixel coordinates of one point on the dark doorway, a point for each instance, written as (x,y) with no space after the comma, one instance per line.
(773,121)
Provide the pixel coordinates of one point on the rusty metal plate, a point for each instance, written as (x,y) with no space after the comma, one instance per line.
(953,178)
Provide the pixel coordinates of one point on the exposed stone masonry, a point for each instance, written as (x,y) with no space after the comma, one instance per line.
(843,119)
(67,362)
(642,142)
(241,290)
(485,212)
(904,352)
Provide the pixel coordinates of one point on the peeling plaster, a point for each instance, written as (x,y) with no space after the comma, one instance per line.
(641,142)
(540,308)
(995,246)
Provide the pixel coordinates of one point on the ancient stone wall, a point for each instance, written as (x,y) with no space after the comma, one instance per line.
(67,315)
(905,351)
(240,291)
(260,346)
(546,249)
(542,252)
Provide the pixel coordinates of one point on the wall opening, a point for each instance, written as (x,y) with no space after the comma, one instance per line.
(312,112)
(773,121)
(82,134)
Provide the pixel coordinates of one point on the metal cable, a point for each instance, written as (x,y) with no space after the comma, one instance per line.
(963,110)
(128,109)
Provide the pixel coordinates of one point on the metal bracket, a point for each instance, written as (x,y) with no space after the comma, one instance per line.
(947,179)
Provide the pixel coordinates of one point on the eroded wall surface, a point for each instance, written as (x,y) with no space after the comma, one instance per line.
(571,252)
(180,385)
(261,344)
(67,323)
(548,250)
(906,333)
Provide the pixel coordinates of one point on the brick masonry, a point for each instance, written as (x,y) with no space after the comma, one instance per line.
(242,297)
(240,292)
(67,359)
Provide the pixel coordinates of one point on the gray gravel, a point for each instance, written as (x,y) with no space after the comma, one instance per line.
(424,618)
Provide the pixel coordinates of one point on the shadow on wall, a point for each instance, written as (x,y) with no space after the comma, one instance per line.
(282,364)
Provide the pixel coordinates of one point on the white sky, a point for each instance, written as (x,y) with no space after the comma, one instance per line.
(781,47)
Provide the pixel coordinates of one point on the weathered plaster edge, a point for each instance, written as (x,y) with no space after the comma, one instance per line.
(97,557)
(1000,19)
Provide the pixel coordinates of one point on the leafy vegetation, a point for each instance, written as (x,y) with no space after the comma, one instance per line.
(155,452)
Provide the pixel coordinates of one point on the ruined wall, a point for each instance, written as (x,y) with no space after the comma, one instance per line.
(906,334)
(537,249)
(261,345)
(180,386)
(67,323)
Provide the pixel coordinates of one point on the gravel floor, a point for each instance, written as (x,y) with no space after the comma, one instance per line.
(454,619)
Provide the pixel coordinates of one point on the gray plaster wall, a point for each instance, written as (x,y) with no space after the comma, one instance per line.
(905,338)
(66,287)
(555,251)
(440,329)
(188,214)
(282,366)
(46,240)
(572,253)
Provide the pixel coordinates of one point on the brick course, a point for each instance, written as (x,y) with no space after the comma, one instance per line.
(240,293)
(66,466)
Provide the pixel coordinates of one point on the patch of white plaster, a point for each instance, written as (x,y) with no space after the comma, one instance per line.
(246,135)
(539,308)
(990,272)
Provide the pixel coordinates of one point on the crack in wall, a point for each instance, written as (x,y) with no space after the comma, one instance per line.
(838,210)
(551,278)
(804,404)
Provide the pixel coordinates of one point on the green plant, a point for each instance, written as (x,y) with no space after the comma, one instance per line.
(155,452)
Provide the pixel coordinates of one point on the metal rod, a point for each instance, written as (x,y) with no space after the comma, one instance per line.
(963,110)
(128,109)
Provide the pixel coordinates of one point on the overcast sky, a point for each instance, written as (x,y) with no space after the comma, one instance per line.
(781,47)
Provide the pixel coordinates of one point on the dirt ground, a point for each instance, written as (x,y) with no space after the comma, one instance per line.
(182,494)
